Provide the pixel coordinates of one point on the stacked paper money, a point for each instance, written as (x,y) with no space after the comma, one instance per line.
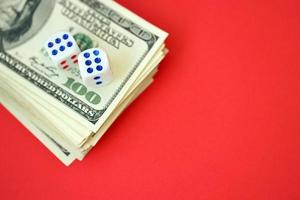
(66,116)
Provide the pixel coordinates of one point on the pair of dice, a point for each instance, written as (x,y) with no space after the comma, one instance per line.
(93,63)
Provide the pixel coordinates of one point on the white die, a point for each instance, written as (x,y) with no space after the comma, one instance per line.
(94,67)
(63,50)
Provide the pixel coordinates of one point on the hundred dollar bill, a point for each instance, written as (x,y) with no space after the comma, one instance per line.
(57,114)
(130,42)
(58,150)
(22,107)
(24,97)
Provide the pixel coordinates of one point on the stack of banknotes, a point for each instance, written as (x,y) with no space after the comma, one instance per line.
(65,115)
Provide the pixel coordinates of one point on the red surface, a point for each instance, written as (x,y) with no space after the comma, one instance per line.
(221,120)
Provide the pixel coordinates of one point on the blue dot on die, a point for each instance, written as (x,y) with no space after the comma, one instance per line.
(99,82)
(97,60)
(69,44)
(96,52)
(86,55)
(89,70)
(65,36)
(62,48)
(97,77)
(50,44)
(54,52)
(88,62)
(57,40)
(99,67)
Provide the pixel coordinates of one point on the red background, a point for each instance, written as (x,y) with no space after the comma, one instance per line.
(221,120)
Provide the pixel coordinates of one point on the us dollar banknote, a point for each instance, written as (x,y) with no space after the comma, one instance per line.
(130,42)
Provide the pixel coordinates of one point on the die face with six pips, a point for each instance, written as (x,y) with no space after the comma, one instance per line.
(63,50)
(94,67)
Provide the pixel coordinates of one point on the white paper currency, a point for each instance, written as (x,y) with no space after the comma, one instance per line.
(130,42)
